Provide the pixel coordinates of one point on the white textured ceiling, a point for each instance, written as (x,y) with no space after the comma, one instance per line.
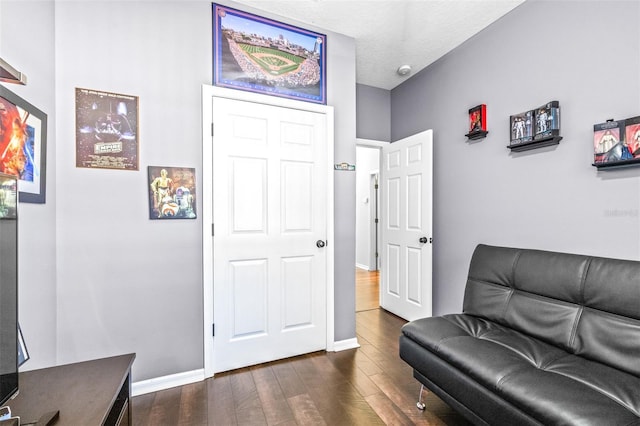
(391,33)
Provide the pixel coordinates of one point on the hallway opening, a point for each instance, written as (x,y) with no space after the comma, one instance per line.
(367,290)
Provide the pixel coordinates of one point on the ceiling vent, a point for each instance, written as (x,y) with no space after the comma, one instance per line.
(9,74)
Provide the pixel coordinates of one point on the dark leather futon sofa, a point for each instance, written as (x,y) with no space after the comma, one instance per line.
(544,339)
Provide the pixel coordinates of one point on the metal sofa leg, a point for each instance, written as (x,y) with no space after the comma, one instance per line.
(421,405)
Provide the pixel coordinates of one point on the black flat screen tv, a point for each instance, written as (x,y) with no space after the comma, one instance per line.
(8,287)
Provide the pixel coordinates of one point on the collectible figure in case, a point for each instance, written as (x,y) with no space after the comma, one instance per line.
(8,196)
(632,135)
(608,142)
(547,120)
(521,127)
(478,119)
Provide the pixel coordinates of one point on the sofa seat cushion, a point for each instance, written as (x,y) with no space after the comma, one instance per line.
(554,386)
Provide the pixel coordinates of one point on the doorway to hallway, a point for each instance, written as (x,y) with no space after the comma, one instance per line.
(367,290)
(394,229)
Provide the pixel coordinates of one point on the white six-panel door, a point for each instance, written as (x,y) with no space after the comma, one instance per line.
(406,231)
(269,213)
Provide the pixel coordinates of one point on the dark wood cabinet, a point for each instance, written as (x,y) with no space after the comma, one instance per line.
(96,392)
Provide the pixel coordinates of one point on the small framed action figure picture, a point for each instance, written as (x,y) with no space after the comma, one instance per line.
(172,192)
(477,122)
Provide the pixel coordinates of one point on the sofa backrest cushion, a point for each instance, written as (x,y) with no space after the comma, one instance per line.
(589,306)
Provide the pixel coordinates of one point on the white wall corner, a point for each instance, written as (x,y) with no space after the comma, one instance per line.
(165,382)
(343,345)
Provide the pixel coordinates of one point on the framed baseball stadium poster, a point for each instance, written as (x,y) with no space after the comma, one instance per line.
(261,55)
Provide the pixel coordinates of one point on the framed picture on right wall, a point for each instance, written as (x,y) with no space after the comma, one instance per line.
(616,143)
(547,120)
(632,135)
(521,126)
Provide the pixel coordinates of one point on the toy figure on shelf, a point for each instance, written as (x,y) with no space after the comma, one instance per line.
(521,127)
(608,145)
(547,120)
(477,122)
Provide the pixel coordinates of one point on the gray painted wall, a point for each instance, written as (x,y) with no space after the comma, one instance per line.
(126,283)
(549,198)
(26,42)
(373,113)
(341,93)
(108,280)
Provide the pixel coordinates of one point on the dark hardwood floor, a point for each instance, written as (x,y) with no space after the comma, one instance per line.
(370,385)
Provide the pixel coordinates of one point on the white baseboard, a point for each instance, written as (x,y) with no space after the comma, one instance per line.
(180,379)
(343,345)
(361,266)
(166,382)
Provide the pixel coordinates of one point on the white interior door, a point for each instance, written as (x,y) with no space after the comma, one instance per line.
(270,233)
(406,179)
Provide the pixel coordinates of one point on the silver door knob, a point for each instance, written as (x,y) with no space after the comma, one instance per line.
(423,240)
(320,243)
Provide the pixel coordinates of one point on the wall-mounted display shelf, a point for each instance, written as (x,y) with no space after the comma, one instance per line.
(477,135)
(617,164)
(540,143)
(535,128)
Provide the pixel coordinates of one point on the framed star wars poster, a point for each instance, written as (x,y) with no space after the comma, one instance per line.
(106,130)
(23,145)
(261,55)
(172,192)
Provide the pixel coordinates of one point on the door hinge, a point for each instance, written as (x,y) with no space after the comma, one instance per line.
(212,231)
(211,129)
(213,329)
(376,186)
(376,220)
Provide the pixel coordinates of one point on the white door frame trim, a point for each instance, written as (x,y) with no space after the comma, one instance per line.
(371,143)
(208,92)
